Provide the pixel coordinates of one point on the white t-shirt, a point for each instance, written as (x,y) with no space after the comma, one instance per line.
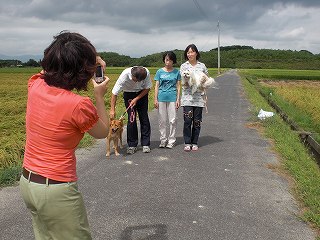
(126,84)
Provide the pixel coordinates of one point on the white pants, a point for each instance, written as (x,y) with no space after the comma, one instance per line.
(167,110)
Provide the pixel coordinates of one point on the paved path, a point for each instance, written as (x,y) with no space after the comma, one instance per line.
(224,191)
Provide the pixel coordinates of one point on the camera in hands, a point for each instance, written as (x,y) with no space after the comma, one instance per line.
(99,76)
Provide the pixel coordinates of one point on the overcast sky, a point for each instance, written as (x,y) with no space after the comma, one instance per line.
(140,27)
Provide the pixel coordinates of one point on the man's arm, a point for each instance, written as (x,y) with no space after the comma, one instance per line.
(136,99)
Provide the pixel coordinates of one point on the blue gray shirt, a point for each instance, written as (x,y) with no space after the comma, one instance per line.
(187,98)
(167,84)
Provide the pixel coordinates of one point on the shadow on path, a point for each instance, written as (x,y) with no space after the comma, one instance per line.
(145,232)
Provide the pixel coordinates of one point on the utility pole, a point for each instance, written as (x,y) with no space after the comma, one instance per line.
(218,47)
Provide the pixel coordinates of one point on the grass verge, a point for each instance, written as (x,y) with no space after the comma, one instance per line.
(295,159)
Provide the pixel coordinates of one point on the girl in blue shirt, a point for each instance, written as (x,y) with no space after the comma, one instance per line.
(167,98)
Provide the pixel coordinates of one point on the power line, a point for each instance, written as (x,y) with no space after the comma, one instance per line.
(200,8)
(202,12)
(218,26)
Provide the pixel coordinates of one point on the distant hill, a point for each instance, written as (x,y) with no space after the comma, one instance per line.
(22,58)
(230,57)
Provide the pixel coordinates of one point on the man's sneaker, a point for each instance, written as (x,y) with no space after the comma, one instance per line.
(162,144)
(146,149)
(131,150)
(170,145)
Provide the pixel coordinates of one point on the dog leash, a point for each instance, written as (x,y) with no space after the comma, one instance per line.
(122,116)
(205,97)
(132,114)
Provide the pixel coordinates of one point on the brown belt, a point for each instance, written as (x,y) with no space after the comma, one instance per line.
(38,178)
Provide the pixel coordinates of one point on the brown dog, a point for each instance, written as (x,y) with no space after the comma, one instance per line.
(115,135)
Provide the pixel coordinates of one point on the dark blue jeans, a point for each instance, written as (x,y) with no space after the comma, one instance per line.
(132,128)
(192,124)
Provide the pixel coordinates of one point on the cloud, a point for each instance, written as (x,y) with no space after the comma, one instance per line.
(138,28)
(294,33)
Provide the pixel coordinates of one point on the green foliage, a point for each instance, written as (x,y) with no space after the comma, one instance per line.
(299,163)
(234,47)
(9,63)
(18,63)
(154,60)
(244,57)
(283,74)
(10,175)
(13,95)
(267,59)
(299,102)
(32,63)
(115,60)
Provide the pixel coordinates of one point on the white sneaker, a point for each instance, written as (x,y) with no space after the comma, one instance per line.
(162,144)
(146,149)
(170,145)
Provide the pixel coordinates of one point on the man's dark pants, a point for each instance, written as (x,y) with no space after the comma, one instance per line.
(132,129)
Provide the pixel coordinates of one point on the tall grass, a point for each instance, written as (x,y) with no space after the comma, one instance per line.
(300,100)
(13,95)
(303,97)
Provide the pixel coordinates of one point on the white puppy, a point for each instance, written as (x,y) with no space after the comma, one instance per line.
(196,80)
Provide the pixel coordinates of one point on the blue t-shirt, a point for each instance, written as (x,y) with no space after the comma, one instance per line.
(167,84)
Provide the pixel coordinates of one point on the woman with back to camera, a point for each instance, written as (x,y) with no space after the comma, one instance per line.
(56,120)
(192,104)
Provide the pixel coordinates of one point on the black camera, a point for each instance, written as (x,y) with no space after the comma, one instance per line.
(98,76)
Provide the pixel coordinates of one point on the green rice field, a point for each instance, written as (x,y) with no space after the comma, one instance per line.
(295,91)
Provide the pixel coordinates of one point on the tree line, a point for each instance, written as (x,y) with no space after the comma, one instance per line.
(18,63)
(235,56)
(230,57)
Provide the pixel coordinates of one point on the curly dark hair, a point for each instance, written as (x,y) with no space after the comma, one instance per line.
(194,48)
(69,62)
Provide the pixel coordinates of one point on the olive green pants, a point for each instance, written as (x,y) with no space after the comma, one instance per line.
(58,211)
